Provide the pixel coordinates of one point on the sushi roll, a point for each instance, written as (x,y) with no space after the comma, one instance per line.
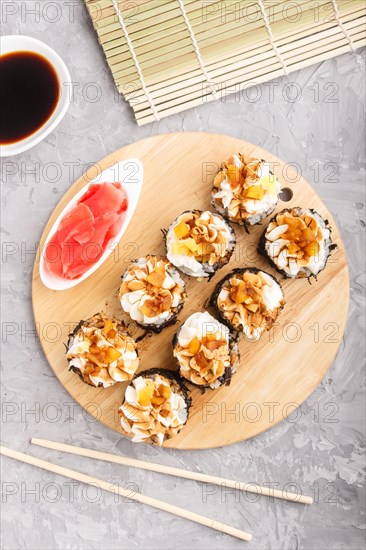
(206,351)
(297,243)
(101,351)
(199,243)
(245,191)
(152,292)
(155,407)
(248,300)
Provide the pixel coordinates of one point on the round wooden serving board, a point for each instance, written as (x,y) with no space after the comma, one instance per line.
(277,373)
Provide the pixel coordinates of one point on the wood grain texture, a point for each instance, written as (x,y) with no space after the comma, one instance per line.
(277,373)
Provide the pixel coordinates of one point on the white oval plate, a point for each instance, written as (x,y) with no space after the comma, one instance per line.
(130,173)
(16,43)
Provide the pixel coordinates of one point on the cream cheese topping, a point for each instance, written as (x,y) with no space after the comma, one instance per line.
(200,324)
(271,292)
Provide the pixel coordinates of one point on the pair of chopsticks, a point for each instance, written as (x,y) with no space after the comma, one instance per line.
(160,468)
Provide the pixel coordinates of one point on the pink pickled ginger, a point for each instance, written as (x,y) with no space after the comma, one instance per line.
(85,231)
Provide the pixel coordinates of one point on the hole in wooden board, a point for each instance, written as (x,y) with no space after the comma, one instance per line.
(286,194)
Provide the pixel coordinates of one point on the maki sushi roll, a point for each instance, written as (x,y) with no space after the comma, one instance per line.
(155,407)
(206,351)
(248,300)
(245,191)
(101,351)
(152,292)
(199,243)
(297,243)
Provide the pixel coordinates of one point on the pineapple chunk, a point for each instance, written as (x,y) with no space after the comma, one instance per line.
(194,346)
(233,173)
(180,249)
(252,307)
(193,246)
(220,369)
(112,354)
(240,294)
(188,247)
(144,396)
(157,400)
(108,324)
(150,308)
(292,248)
(254,192)
(182,230)
(269,184)
(312,249)
(241,285)
(240,297)
(165,391)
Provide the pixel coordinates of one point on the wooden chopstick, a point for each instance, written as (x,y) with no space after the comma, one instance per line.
(160,468)
(166,507)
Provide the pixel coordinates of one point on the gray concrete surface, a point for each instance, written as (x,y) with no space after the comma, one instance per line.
(321,448)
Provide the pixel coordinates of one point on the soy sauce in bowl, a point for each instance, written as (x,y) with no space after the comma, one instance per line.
(30,91)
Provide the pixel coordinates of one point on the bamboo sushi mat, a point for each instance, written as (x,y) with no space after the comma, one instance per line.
(167,56)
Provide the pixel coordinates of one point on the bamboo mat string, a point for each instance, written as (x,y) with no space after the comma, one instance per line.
(197,51)
(135,60)
(271,37)
(177,50)
(341,25)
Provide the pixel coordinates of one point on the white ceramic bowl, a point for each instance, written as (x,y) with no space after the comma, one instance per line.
(130,173)
(16,43)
